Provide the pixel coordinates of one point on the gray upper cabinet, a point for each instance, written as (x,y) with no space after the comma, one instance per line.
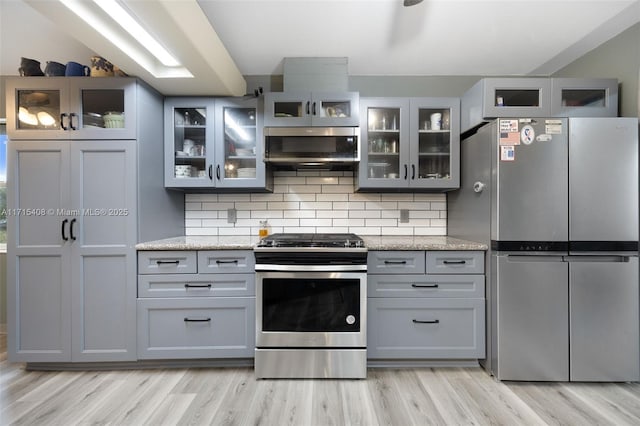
(584,97)
(409,144)
(71,108)
(291,109)
(538,97)
(71,258)
(214,143)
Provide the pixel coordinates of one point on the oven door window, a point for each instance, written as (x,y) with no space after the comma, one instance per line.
(311,305)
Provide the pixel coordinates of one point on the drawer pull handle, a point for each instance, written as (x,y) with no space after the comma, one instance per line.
(167,262)
(424,285)
(395,262)
(415,321)
(187,285)
(227,261)
(197,319)
(454,262)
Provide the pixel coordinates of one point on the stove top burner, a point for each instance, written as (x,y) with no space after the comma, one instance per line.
(312,240)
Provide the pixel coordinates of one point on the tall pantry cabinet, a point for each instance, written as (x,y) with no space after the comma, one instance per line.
(84,169)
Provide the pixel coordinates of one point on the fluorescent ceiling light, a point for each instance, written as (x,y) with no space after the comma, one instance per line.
(126,21)
(133,49)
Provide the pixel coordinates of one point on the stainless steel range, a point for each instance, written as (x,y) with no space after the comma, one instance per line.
(311,310)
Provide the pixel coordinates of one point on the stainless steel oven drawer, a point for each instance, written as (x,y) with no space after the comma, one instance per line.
(196,328)
(455,262)
(167,262)
(396,262)
(446,286)
(426,328)
(196,285)
(226,261)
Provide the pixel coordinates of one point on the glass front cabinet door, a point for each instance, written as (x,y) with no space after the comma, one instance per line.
(239,138)
(384,143)
(435,143)
(292,109)
(71,108)
(188,138)
(410,143)
(213,143)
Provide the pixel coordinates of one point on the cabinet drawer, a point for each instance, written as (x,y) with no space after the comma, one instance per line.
(167,262)
(425,286)
(396,262)
(196,328)
(426,328)
(196,285)
(455,262)
(226,261)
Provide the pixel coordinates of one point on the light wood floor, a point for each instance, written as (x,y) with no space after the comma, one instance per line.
(231,396)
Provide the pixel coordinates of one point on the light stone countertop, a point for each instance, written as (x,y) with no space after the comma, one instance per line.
(243,242)
(400,242)
(372,242)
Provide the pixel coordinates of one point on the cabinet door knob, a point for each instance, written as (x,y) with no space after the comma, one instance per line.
(424,285)
(197,319)
(73,114)
(218,171)
(314,109)
(413,171)
(307,108)
(210,172)
(406,172)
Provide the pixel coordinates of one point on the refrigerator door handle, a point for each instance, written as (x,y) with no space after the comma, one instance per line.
(598,258)
(530,258)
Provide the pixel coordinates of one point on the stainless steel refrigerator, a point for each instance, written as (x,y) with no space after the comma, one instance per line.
(557,201)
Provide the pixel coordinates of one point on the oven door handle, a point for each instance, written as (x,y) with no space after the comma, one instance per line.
(310,268)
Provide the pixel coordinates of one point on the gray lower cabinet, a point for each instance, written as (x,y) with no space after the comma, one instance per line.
(426,305)
(196,304)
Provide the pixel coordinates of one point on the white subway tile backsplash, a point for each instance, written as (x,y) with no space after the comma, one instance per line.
(323,180)
(334,214)
(316,222)
(315,201)
(367,214)
(299,213)
(304,189)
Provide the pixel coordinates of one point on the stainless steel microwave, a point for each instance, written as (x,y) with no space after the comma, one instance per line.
(308,146)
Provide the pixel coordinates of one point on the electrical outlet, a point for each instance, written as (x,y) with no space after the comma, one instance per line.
(232,215)
(404,216)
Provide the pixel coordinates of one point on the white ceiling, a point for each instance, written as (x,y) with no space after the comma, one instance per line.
(378,37)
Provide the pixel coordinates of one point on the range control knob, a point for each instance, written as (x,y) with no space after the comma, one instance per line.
(351,319)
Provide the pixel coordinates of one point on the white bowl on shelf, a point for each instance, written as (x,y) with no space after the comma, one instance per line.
(247,172)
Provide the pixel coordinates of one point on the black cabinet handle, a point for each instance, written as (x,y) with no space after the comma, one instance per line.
(227,261)
(415,321)
(210,172)
(454,262)
(73,237)
(406,172)
(218,171)
(64,234)
(314,109)
(62,117)
(395,262)
(307,108)
(187,285)
(413,171)
(167,262)
(424,285)
(73,114)
(197,319)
